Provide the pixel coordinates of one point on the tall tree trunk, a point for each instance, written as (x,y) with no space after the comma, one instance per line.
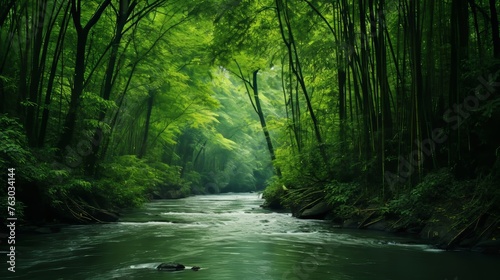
(79,74)
(122,15)
(263,124)
(23,43)
(142,151)
(36,71)
(295,65)
(342,58)
(383,84)
(495,33)
(255,101)
(5,7)
(52,75)
(429,81)
(114,119)
(459,39)
(367,105)
(417,120)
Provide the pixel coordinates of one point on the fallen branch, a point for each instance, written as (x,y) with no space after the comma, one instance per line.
(374,221)
(464,229)
(488,227)
(361,225)
(83,213)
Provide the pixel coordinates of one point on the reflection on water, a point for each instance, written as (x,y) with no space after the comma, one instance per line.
(231,237)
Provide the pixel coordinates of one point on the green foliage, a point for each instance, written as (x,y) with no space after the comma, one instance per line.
(96,104)
(274,194)
(490,107)
(342,104)
(417,205)
(125,182)
(169,183)
(338,194)
(13,144)
(14,153)
(128,181)
(61,185)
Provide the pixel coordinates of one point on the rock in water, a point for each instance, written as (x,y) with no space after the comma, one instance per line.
(318,211)
(171,266)
(174,267)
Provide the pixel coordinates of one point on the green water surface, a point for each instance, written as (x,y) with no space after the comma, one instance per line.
(231,237)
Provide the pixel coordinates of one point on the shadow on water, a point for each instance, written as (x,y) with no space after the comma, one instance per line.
(230,237)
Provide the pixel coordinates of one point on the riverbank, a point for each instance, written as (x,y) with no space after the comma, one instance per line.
(451,214)
(438,232)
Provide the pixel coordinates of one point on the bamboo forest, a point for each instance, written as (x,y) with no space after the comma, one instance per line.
(250,139)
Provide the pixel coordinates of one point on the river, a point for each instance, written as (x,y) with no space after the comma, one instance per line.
(230,237)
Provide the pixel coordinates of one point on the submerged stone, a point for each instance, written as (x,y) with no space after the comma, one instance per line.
(174,267)
(171,266)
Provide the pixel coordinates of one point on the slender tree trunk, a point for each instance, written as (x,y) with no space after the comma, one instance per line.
(495,33)
(263,122)
(114,119)
(5,7)
(36,72)
(79,74)
(255,101)
(122,15)
(384,88)
(365,83)
(23,43)
(142,151)
(294,60)
(478,35)
(415,47)
(50,83)
(76,92)
(459,39)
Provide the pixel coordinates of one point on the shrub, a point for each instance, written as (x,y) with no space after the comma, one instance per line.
(417,205)
(14,153)
(274,193)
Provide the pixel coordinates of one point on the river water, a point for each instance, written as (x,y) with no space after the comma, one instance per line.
(230,237)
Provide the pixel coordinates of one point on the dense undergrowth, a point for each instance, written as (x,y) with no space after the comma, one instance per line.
(441,205)
(47,191)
